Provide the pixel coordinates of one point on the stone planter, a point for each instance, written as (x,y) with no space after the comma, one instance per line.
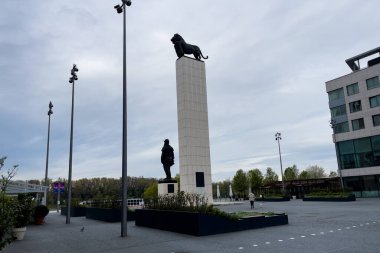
(19,233)
(200,224)
(351,197)
(74,211)
(107,214)
(274,199)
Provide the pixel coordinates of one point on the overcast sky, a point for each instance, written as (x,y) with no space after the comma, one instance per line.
(267,67)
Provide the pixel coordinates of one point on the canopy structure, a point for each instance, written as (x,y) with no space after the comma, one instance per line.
(352,61)
(15,187)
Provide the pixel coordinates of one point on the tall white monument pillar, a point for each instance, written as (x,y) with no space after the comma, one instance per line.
(193,133)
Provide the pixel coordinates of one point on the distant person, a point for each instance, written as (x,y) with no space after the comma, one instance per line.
(251,197)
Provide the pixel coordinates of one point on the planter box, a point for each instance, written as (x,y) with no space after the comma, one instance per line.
(107,214)
(200,224)
(274,199)
(74,211)
(339,199)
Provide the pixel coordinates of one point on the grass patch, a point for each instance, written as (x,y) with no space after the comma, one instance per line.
(246,214)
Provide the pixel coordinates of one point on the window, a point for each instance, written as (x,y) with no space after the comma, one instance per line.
(355,106)
(376,120)
(373,82)
(341,127)
(374,101)
(347,154)
(363,152)
(357,124)
(336,94)
(338,111)
(352,89)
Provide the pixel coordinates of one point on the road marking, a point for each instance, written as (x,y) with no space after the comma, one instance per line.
(312,234)
(339,229)
(267,242)
(354,226)
(302,236)
(322,233)
(291,238)
(361,225)
(280,240)
(255,245)
(241,248)
(374,222)
(367,223)
(331,231)
(347,227)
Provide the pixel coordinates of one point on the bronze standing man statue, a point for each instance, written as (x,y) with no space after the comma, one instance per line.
(167,158)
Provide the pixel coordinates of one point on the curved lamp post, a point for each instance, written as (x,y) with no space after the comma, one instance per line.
(278,138)
(72,80)
(50,112)
(121,9)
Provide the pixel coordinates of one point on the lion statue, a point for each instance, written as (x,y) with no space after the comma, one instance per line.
(182,48)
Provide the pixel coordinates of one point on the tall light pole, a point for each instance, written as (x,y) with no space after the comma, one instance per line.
(333,125)
(50,112)
(72,80)
(278,138)
(121,9)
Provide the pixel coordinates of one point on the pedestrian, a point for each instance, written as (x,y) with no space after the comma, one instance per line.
(252,199)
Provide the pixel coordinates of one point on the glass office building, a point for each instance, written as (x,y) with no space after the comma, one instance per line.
(354,102)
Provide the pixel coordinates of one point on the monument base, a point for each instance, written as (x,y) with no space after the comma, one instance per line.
(167,187)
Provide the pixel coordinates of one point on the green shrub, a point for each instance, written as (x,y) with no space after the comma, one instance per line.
(40,211)
(22,210)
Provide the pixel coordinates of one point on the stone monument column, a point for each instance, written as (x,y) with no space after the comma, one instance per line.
(193,131)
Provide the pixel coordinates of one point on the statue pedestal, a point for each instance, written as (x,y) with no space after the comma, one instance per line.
(167,187)
(193,130)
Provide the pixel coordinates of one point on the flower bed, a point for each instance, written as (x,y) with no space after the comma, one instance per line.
(74,211)
(201,224)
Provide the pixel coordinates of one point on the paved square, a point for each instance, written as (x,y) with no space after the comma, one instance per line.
(313,227)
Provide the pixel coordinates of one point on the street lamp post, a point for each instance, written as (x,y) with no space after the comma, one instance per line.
(72,80)
(278,138)
(50,112)
(333,125)
(121,9)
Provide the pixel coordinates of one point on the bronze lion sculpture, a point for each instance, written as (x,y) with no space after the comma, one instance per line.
(182,48)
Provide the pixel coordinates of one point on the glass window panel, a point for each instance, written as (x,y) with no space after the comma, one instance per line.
(373,82)
(355,106)
(357,124)
(336,94)
(348,161)
(374,101)
(346,147)
(376,120)
(341,127)
(352,89)
(338,111)
(376,158)
(365,159)
(362,145)
(375,142)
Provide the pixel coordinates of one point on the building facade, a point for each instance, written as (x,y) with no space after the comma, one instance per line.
(354,102)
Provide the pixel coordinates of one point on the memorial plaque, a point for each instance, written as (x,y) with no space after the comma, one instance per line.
(200,179)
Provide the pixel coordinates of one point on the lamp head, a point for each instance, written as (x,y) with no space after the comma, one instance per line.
(127,2)
(71,80)
(75,68)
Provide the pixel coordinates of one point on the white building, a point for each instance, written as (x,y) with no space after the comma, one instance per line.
(354,101)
